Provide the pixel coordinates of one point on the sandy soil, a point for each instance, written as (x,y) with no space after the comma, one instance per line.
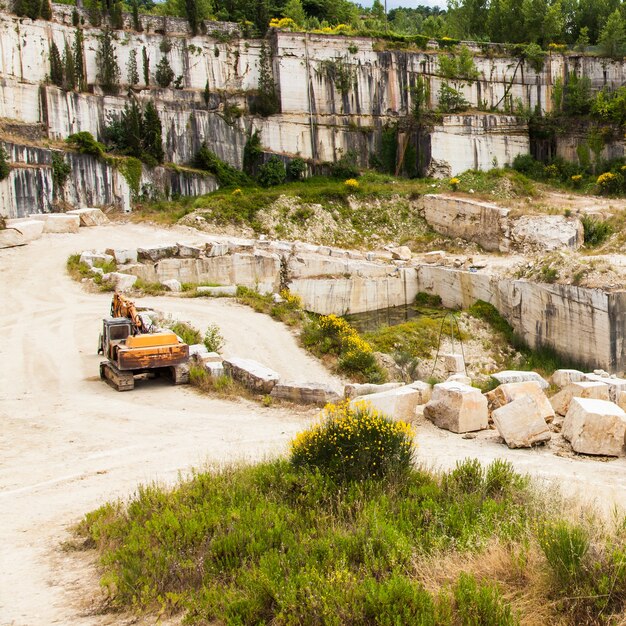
(68,442)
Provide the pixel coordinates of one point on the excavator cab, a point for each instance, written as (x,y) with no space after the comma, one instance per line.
(114,330)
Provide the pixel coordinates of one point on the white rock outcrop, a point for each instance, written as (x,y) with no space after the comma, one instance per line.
(457,407)
(563,378)
(595,427)
(353,390)
(521,424)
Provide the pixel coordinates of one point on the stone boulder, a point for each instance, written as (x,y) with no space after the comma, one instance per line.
(453,363)
(90,216)
(29,229)
(521,424)
(123,257)
(214,369)
(398,404)
(425,389)
(216,249)
(187,251)
(156,253)
(172,285)
(459,378)
(614,383)
(560,402)
(457,407)
(547,232)
(595,427)
(121,282)
(10,238)
(91,258)
(305,393)
(509,392)
(357,389)
(251,374)
(220,291)
(518,376)
(563,378)
(58,222)
(402,253)
(197,350)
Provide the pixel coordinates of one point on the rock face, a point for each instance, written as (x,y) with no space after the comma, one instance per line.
(157,253)
(457,407)
(305,393)
(398,404)
(252,374)
(561,401)
(356,389)
(453,363)
(515,376)
(547,232)
(521,424)
(90,216)
(509,392)
(595,427)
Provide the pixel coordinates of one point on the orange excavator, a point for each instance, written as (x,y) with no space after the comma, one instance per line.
(133,349)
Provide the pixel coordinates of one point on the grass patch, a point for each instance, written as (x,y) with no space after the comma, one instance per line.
(187,333)
(289,311)
(223,386)
(148,288)
(78,270)
(596,231)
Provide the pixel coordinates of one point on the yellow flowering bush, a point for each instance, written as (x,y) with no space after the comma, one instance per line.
(354,442)
(609,182)
(340,29)
(291,299)
(577,180)
(454,183)
(352,183)
(284,23)
(236,192)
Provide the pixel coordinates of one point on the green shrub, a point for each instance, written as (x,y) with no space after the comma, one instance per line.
(5,168)
(450,100)
(529,166)
(346,166)
(596,231)
(354,443)
(186,332)
(481,604)
(164,74)
(296,168)
(227,175)
(213,339)
(272,172)
(430,300)
(610,183)
(565,546)
(85,143)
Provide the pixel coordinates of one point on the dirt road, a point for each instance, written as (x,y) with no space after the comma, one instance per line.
(68,442)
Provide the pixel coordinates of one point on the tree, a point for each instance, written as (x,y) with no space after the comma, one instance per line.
(137,25)
(266,103)
(56,66)
(164,74)
(152,133)
(295,11)
(612,38)
(46,10)
(69,77)
(79,61)
(146,66)
(191,10)
(108,69)
(5,168)
(131,68)
(94,12)
(117,16)
(28,8)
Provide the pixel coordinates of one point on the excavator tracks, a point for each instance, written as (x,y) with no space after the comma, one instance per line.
(121,381)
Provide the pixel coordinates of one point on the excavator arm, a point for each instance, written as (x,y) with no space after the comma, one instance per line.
(123,307)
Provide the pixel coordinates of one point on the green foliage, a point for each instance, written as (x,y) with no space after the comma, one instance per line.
(69,81)
(417,337)
(481,603)
(421,96)
(432,301)
(612,40)
(227,175)
(56,66)
(46,10)
(187,333)
(5,168)
(137,25)
(565,547)
(272,172)
(296,168)
(534,56)
(130,168)
(193,15)
(346,166)
(116,16)
(266,102)
(94,12)
(131,68)
(152,140)
(289,311)
(79,61)
(610,106)
(596,231)
(164,74)
(146,66)
(459,66)
(60,171)
(28,8)
(213,339)
(252,153)
(85,143)
(75,17)
(340,73)
(354,443)
(106,61)
(450,100)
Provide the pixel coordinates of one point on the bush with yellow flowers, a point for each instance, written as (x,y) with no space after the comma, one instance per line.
(610,182)
(454,183)
(283,23)
(354,442)
(352,184)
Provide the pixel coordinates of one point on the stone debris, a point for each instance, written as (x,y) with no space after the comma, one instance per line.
(457,407)
(561,401)
(186,251)
(547,232)
(10,238)
(357,389)
(90,216)
(156,253)
(305,393)
(521,424)
(91,258)
(214,369)
(197,350)
(509,392)
(223,290)
(402,253)
(251,374)
(614,384)
(563,378)
(398,404)
(595,427)
(517,376)
(29,229)
(121,282)
(459,378)
(172,285)
(216,249)
(123,257)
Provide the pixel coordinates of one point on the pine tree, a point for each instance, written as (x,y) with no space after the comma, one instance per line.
(75,17)
(69,81)
(28,8)
(79,61)
(612,38)
(116,16)
(132,125)
(94,12)
(164,74)
(294,10)
(131,68)
(56,66)
(152,133)
(109,71)
(137,25)
(46,10)
(267,101)
(207,93)
(146,66)
(191,10)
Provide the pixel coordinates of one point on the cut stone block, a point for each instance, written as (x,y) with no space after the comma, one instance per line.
(156,253)
(403,253)
(563,378)
(214,369)
(172,285)
(253,375)
(197,350)
(122,282)
(453,363)
(29,229)
(595,427)
(123,257)
(356,389)
(222,290)
(520,423)
(187,251)
(459,378)
(58,222)
(305,393)
(509,392)
(560,402)
(457,407)
(425,390)
(91,258)
(516,376)
(398,404)
(216,249)
(211,357)
(90,216)
(10,238)
(614,384)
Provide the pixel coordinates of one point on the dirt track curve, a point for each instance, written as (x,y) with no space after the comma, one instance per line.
(68,442)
